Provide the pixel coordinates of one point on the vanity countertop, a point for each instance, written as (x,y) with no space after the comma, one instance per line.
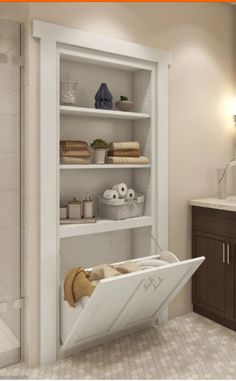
(228,203)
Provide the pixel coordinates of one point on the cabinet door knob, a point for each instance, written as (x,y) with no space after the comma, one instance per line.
(228,254)
(223,252)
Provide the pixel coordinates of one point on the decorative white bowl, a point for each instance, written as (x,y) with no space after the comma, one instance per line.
(125,105)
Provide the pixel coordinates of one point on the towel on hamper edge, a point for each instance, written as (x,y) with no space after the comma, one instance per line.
(76,285)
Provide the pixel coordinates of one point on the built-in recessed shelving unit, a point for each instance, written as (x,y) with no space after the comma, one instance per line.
(96,113)
(139,73)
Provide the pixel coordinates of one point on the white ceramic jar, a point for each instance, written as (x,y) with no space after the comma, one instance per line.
(74,209)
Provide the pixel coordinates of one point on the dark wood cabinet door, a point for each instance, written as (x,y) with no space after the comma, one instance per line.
(233,287)
(210,281)
(214,283)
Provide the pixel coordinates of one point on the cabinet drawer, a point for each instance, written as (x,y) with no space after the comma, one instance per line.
(214,221)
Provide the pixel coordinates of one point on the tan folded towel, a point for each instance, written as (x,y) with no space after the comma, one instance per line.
(124,153)
(72,148)
(81,154)
(73,144)
(78,283)
(127,160)
(124,145)
(74,160)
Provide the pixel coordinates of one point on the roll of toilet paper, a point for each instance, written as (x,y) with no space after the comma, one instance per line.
(121,189)
(110,194)
(130,195)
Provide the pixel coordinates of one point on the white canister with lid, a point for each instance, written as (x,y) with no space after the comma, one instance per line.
(74,209)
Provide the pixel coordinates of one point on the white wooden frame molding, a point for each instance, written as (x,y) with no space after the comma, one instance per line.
(50,36)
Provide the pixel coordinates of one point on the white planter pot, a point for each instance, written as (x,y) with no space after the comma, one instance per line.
(99,156)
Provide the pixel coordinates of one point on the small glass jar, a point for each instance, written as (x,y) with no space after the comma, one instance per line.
(88,207)
(68,93)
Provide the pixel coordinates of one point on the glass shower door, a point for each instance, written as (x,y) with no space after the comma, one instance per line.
(10,192)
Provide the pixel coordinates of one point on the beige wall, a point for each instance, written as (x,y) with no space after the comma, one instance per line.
(201,37)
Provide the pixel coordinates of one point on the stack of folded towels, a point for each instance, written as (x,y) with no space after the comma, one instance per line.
(74,152)
(125,153)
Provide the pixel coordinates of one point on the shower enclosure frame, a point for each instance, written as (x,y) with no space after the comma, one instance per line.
(21,300)
(17,60)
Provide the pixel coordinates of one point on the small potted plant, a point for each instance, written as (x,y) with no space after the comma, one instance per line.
(124,104)
(100,148)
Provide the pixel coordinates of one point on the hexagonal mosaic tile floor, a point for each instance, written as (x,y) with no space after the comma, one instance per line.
(188,347)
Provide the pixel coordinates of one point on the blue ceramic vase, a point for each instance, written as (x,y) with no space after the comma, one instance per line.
(103,98)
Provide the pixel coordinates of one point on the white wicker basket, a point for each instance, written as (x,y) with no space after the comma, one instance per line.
(120,209)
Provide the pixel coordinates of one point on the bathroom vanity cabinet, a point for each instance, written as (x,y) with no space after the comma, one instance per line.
(214,284)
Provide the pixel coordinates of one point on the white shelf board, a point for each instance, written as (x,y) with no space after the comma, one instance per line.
(103,166)
(70,54)
(102,226)
(97,113)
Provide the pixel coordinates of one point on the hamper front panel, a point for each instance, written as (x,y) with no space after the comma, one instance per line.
(109,299)
(157,292)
